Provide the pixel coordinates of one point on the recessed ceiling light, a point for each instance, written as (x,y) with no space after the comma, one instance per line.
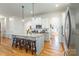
(31,12)
(57,5)
(11,19)
(23,20)
(1,16)
(32,18)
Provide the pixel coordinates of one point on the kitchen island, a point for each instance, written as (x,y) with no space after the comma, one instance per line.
(39,38)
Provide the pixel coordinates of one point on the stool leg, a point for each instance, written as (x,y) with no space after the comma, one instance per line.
(13,43)
(26,45)
(26,48)
(16,44)
(34,47)
(20,44)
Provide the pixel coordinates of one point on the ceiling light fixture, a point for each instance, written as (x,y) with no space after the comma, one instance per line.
(11,19)
(23,20)
(57,5)
(31,12)
(1,16)
(22,13)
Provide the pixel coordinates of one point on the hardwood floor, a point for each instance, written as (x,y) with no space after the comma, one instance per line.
(51,48)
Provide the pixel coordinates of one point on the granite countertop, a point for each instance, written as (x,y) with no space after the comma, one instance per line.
(29,35)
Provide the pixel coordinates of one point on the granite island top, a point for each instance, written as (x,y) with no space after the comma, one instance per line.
(29,35)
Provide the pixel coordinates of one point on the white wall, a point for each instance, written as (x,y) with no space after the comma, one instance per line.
(2,26)
(37,21)
(45,20)
(14,26)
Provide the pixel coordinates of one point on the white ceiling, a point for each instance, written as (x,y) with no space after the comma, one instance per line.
(15,9)
(49,7)
(74,5)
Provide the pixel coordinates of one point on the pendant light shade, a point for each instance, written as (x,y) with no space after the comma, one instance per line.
(22,13)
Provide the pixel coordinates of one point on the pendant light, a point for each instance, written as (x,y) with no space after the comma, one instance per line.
(32,11)
(22,13)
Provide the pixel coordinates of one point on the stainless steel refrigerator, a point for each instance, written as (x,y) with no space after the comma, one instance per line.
(0,33)
(71,31)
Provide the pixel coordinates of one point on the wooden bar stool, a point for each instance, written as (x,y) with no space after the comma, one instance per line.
(21,43)
(14,41)
(30,45)
(17,44)
(26,44)
(33,47)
